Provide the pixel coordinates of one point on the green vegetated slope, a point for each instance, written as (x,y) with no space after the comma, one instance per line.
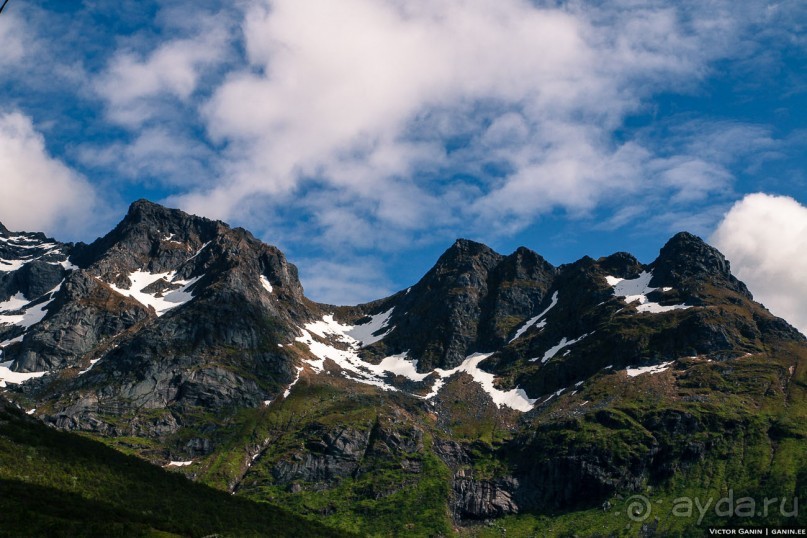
(707,444)
(375,463)
(353,458)
(60,484)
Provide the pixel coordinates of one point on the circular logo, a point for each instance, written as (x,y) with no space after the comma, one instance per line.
(639,508)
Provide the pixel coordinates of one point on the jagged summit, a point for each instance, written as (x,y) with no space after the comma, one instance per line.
(158,262)
(621,264)
(149,231)
(459,304)
(462,246)
(187,341)
(155,217)
(144,206)
(690,261)
(686,254)
(464,256)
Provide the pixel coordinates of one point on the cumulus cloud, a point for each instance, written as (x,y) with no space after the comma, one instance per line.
(765,238)
(377,100)
(380,124)
(135,85)
(38,192)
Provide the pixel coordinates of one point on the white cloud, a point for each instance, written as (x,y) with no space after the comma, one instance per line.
(376,99)
(38,192)
(13,36)
(340,85)
(135,85)
(765,239)
(155,155)
(331,282)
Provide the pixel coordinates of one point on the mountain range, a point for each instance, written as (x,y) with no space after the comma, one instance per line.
(498,393)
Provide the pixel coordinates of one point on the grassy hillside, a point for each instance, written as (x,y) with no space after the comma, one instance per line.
(60,484)
(700,433)
(359,460)
(728,441)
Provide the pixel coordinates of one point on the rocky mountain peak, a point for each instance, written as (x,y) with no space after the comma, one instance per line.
(686,257)
(525,263)
(156,262)
(175,247)
(149,234)
(621,264)
(466,255)
(444,307)
(145,207)
(467,302)
(154,217)
(3,230)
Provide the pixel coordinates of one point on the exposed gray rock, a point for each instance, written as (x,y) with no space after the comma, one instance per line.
(452,453)
(84,315)
(199,446)
(484,499)
(471,300)
(328,455)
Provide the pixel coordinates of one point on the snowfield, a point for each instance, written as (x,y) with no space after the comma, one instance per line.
(161,303)
(354,368)
(637,289)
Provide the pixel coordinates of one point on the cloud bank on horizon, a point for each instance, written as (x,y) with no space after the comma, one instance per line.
(363,131)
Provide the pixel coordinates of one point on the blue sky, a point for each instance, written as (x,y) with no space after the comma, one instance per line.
(364,136)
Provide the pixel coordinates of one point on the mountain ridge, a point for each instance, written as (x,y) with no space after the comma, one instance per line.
(178,338)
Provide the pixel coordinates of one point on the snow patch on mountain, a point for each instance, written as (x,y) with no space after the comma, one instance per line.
(9,342)
(13,313)
(27,249)
(161,303)
(266,284)
(9,376)
(356,369)
(347,359)
(637,289)
(514,399)
(9,266)
(199,251)
(366,332)
(14,303)
(171,238)
(656,369)
(401,365)
(552,351)
(92,363)
(532,321)
(296,379)
(66,264)
(553,395)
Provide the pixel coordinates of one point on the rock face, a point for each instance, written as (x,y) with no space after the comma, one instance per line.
(690,263)
(485,499)
(515,386)
(32,270)
(178,312)
(468,302)
(84,315)
(328,455)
